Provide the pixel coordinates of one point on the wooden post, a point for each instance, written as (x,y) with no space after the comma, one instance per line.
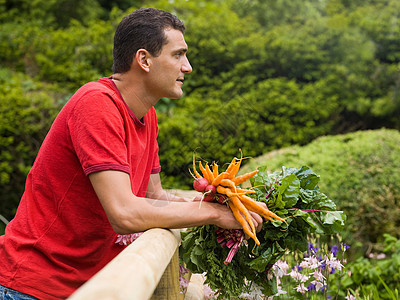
(136,271)
(168,286)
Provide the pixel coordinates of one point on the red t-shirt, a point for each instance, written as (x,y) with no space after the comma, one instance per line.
(60,236)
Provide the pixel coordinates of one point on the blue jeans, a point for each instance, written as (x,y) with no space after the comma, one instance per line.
(10,294)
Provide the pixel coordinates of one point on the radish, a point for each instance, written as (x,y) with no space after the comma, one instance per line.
(200,184)
(209,193)
(222,198)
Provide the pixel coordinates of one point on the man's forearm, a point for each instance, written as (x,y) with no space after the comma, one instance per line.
(170,196)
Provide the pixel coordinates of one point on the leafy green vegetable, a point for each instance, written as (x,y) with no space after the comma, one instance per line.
(291,193)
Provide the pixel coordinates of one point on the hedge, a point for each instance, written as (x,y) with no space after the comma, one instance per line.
(360,171)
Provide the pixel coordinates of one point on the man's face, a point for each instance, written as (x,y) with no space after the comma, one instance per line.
(169,68)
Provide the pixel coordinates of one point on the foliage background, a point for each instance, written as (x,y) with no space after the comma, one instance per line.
(267,75)
(360,171)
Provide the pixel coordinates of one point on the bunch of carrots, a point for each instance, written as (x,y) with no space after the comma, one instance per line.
(223,187)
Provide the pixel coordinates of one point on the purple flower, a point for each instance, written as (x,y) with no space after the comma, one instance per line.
(182,270)
(311,287)
(311,250)
(345,247)
(183,283)
(318,285)
(334,250)
(297,268)
(127,239)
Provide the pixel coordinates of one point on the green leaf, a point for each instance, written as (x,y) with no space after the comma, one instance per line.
(314,199)
(270,287)
(291,190)
(333,221)
(308,179)
(260,263)
(267,258)
(188,239)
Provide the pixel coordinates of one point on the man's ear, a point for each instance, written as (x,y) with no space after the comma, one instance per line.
(143,59)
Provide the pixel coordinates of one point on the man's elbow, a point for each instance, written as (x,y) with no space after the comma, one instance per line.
(126,224)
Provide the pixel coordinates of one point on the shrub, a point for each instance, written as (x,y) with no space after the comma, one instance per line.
(276,113)
(69,57)
(27,112)
(360,171)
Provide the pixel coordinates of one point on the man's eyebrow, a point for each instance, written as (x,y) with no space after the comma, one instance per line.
(184,50)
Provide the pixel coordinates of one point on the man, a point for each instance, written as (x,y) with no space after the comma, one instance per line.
(97,172)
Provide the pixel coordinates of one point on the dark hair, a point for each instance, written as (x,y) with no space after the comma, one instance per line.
(141,29)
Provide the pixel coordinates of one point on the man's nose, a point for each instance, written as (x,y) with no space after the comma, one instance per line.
(186,67)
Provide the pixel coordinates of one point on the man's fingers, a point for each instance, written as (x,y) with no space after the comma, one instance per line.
(257,221)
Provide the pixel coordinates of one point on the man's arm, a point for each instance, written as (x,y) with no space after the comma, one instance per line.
(128,213)
(156,191)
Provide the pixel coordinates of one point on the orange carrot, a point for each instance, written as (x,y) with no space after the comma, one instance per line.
(204,172)
(235,200)
(210,174)
(254,206)
(228,183)
(215,170)
(231,166)
(240,179)
(236,167)
(194,168)
(227,191)
(218,179)
(246,222)
(244,191)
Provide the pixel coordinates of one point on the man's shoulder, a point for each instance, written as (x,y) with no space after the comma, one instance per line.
(101,85)
(93,91)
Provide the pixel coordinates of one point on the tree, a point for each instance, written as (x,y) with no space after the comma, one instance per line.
(54,13)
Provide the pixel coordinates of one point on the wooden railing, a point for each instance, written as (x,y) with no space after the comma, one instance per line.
(147,269)
(4,220)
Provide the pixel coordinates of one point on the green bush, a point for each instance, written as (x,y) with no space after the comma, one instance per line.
(27,111)
(69,57)
(276,113)
(360,171)
(58,13)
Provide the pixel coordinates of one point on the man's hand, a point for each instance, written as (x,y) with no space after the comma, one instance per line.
(257,221)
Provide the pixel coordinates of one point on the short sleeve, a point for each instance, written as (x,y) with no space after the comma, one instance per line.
(97,133)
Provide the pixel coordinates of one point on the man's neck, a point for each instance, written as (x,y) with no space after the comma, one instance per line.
(133,94)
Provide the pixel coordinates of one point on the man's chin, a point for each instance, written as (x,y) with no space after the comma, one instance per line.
(176,96)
